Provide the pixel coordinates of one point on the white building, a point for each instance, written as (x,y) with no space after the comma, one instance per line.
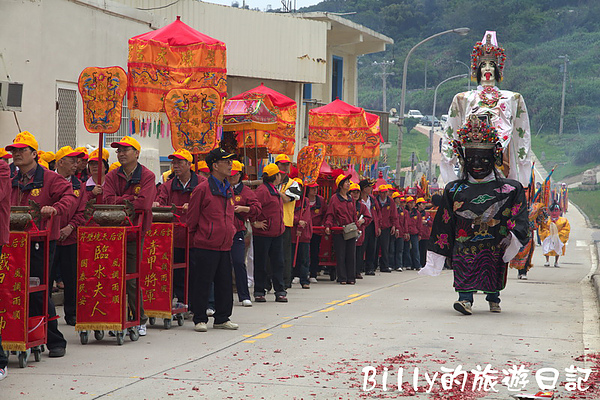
(47,43)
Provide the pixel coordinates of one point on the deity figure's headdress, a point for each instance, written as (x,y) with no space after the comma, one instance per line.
(477,134)
(488,50)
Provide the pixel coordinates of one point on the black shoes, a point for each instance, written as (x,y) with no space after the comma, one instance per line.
(71,321)
(57,352)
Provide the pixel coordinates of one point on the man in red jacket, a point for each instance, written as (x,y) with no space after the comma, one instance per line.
(389,223)
(178,191)
(135,183)
(411,256)
(4,232)
(65,260)
(210,220)
(372,231)
(55,197)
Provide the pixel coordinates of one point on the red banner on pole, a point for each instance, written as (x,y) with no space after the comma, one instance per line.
(14,301)
(100,278)
(156,270)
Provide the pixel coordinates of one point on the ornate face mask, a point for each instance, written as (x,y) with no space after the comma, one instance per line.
(479,162)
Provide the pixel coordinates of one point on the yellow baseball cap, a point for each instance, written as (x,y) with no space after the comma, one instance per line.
(67,151)
(236,167)
(341,177)
(396,194)
(47,156)
(421,200)
(82,149)
(114,165)
(43,163)
(382,188)
(4,153)
(271,169)
(182,154)
(23,139)
(354,186)
(94,155)
(203,167)
(127,141)
(282,158)
(409,199)
(299,181)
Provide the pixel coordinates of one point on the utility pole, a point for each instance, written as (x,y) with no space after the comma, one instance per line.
(384,74)
(562,102)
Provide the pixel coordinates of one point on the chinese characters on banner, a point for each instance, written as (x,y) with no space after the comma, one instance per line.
(100,278)
(156,270)
(14,278)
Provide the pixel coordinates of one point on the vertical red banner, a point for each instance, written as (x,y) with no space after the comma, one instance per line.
(14,298)
(100,278)
(156,271)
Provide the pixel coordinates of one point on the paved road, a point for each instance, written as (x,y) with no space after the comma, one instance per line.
(317,345)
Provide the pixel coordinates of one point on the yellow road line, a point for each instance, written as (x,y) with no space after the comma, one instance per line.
(286,325)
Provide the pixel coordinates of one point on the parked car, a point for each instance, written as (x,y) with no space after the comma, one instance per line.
(444,118)
(414,114)
(426,121)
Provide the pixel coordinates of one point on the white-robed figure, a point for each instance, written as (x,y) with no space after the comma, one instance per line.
(505,110)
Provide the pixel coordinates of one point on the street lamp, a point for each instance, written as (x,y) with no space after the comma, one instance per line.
(429,174)
(468,72)
(459,31)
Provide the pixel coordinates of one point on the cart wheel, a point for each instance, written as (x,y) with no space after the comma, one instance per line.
(180,319)
(22,359)
(134,335)
(152,320)
(120,338)
(37,353)
(42,348)
(167,323)
(83,337)
(99,335)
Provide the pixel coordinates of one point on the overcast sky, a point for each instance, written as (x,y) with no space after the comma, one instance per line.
(262,4)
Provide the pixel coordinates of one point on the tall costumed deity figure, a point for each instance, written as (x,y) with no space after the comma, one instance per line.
(482,221)
(504,110)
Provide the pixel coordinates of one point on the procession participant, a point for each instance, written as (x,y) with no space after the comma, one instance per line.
(481,223)
(82,173)
(290,194)
(203,169)
(93,189)
(65,259)
(389,222)
(114,165)
(411,256)
(522,262)
(177,191)
(397,242)
(246,206)
(503,109)
(342,212)
(55,197)
(425,230)
(4,236)
(372,231)
(562,227)
(48,157)
(267,234)
(211,223)
(302,233)
(317,212)
(361,212)
(133,182)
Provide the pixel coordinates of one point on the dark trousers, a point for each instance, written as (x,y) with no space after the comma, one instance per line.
(179,276)
(369,247)
(345,255)
(208,266)
(315,249)
(423,252)
(396,252)
(302,262)
(288,250)
(383,245)
(65,263)
(271,247)
(238,259)
(360,259)
(3,356)
(55,338)
(132,287)
(414,252)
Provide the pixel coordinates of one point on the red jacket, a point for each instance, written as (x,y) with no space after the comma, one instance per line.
(426,225)
(4,202)
(413,221)
(272,211)
(402,215)
(302,214)
(362,209)
(47,188)
(375,211)
(172,192)
(140,190)
(340,212)
(317,211)
(74,216)
(389,215)
(210,216)
(244,196)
